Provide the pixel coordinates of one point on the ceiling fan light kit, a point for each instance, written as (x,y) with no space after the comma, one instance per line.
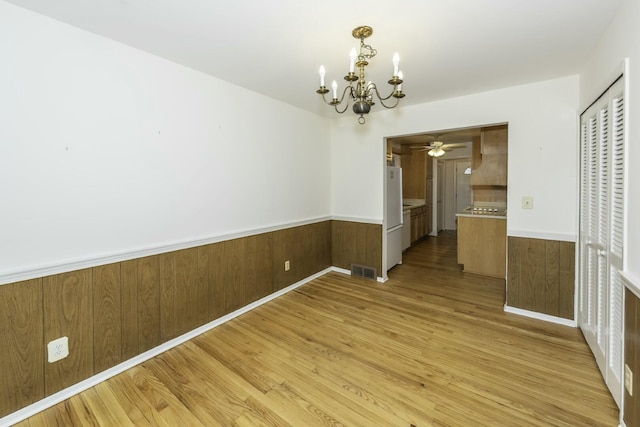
(438,146)
(359,90)
(436,152)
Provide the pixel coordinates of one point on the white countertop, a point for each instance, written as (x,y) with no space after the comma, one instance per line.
(408,208)
(494,215)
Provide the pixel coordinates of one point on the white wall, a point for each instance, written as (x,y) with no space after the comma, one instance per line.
(622,40)
(107,150)
(543,152)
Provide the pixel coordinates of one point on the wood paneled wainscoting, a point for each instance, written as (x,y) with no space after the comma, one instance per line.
(541,276)
(632,357)
(356,243)
(114,312)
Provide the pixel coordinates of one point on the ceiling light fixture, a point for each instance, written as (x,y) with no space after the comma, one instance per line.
(437,150)
(362,94)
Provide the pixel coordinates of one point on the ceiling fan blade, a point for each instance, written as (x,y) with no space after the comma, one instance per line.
(455,145)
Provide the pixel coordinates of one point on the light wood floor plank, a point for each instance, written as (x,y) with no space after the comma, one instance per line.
(430,347)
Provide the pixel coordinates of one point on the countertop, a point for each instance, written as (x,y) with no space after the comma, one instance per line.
(412,206)
(472,214)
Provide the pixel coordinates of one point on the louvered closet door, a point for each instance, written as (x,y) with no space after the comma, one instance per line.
(592,305)
(601,233)
(615,370)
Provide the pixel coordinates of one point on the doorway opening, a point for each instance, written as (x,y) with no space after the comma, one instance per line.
(455,183)
(434,179)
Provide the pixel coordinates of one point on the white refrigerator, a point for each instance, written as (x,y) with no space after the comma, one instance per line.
(394,216)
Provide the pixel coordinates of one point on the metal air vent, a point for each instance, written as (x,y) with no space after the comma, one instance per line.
(364,271)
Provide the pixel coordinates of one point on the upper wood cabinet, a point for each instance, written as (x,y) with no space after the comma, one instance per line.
(489,162)
(416,172)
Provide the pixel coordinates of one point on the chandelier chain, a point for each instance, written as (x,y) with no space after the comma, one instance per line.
(363,56)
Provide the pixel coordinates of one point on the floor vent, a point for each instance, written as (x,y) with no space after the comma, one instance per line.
(364,271)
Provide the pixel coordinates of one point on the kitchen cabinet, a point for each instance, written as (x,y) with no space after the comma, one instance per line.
(418,223)
(414,175)
(406,229)
(482,245)
(489,165)
(417,183)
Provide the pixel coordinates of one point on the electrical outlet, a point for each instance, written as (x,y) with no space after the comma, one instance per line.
(527,202)
(628,379)
(287,265)
(58,349)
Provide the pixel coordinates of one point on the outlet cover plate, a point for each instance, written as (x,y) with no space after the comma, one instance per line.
(58,349)
(527,202)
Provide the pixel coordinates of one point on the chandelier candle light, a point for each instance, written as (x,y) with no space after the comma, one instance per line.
(362,93)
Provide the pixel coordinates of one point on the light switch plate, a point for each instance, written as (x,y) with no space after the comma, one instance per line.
(527,202)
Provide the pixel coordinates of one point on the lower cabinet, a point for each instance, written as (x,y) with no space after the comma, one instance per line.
(419,223)
(482,245)
(406,229)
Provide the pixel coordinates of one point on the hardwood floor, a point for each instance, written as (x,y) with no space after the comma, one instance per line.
(431,347)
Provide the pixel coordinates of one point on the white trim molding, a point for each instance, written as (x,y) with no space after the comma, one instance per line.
(631,282)
(78,264)
(376,221)
(561,237)
(540,316)
(126,255)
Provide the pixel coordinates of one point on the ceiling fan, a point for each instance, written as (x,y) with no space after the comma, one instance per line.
(437,148)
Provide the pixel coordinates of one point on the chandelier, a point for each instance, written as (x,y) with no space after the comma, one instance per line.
(359,90)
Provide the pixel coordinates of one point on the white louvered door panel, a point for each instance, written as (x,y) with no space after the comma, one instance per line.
(601,232)
(616,244)
(596,313)
(588,260)
(583,311)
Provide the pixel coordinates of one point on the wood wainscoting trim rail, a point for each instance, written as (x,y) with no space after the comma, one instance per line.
(35,272)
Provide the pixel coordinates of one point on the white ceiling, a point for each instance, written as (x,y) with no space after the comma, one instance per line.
(447,47)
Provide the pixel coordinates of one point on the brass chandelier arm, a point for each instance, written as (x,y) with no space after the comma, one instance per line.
(346,105)
(375,88)
(381,99)
(390,106)
(335,102)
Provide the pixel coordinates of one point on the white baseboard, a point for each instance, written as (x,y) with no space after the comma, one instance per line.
(68,392)
(341,270)
(541,316)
